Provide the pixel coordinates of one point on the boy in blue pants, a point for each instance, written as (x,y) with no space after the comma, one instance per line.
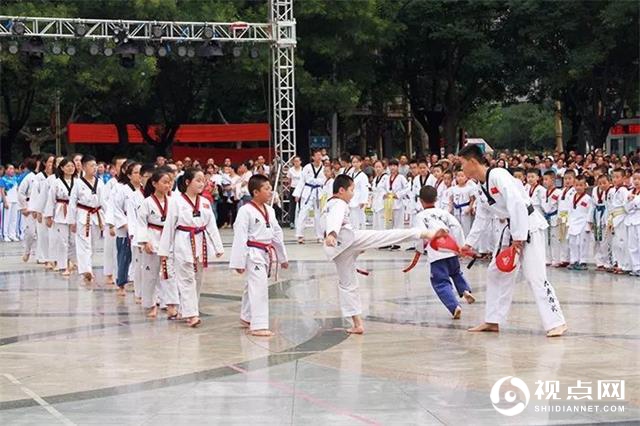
(445,267)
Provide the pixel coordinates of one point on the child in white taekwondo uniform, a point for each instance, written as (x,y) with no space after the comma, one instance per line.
(632,220)
(445,266)
(534,189)
(110,252)
(601,196)
(461,201)
(443,186)
(580,222)
(360,193)
(25,190)
(258,243)
(53,248)
(616,224)
(57,215)
(423,179)
(190,234)
(156,284)
(549,207)
(379,189)
(116,218)
(307,195)
(9,183)
(343,245)
(527,227)
(564,209)
(397,189)
(133,202)
(37,203)
(85,215)
(327,188)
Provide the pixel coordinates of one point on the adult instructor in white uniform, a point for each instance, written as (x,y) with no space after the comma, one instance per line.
(526,227)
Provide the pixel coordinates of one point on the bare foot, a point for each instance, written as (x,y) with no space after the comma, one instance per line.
(172,312)
(468,297)
(193,322)
(88,277)
(486,327)
(355,330)
(457,313)
(152,313)
(121,292)
(49,266)
(557,331)
(65,273)
(261,333)
(25,257)
(108,279)
(300,240)
(244,324)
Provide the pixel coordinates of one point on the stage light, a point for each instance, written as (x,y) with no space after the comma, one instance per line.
(182,51)
(156,31)
(208,33)
(71,50)
(13,47)
(254,53)
(80,30)
(191,52)
(94,49)
(163,51)
(237,51)
(108,51)
(18,28)
(120,35)
(56,49)
(149,50)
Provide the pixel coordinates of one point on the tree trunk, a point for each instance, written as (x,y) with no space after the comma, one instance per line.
(123,135)
(423,140)
(6,142)
(450,125)
(435,119)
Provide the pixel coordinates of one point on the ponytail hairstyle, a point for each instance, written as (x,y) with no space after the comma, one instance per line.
(42,167)
(58,170)
(122,176)
(186,178)
(155,177)
(132,165)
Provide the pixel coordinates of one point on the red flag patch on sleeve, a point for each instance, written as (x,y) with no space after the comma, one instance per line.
(584,204)
(494,190)
(555,197)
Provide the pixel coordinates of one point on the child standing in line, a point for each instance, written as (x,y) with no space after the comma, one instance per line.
(550,212)
(461,201)
(633,224)
(580,226)
(258,242)
(602,197)
(189,234)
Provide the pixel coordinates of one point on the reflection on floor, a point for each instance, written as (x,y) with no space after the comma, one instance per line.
(73,354)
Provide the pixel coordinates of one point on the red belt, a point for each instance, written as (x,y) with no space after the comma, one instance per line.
(271,251)
(154,226)
(90,210)
(65,202)
(193,231)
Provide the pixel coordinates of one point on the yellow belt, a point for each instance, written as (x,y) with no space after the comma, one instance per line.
(618,211)
(388,207)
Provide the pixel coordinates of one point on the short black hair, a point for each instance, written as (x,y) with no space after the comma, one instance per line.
(517,170)
(472,152)
(570,172)
(342,181)
(581,177)
(428,194)
(618,170)
(423,161)
(86,158)
(437,166)
(604,176)
(147,168)
(550,173)
(534,171)
(394,162)
(256,182)
(448,172)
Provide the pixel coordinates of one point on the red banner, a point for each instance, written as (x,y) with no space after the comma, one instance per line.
(187,133)
(219,154)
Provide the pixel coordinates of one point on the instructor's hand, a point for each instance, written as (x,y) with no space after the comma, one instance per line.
(518,245)
(468,251)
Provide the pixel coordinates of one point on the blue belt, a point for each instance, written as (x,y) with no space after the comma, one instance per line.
(316,187)
(459,206)
(549,215)
(601,209)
